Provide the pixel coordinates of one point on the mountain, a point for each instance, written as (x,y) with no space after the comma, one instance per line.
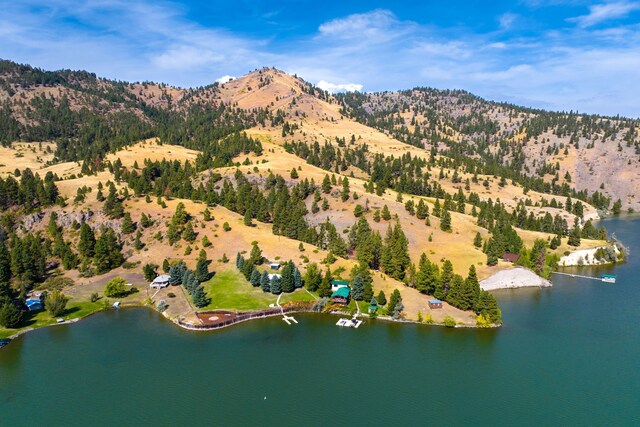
(410,190)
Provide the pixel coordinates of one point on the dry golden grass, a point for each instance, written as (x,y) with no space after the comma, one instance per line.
(23,155)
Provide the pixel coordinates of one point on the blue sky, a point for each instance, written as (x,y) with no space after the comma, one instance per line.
(554,54)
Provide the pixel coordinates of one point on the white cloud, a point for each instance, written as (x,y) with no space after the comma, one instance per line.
(224,79)
(579,68)
(606,11)
(507,20)
(334,88)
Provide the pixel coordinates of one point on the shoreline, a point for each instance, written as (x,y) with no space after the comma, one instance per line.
(204,328)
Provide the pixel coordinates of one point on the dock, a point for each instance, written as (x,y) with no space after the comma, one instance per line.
(607,278)
(349,323)
(287,319)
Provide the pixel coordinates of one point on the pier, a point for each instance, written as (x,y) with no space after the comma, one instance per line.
(287,319)
(607,278)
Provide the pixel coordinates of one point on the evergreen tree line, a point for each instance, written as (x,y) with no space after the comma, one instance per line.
(29,191)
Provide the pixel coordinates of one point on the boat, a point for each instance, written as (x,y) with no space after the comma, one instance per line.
(609,278)
(4,342)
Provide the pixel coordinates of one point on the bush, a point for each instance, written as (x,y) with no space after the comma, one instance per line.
(94,297)
(171,295)
(162,306)
(428,319)
(449,322)
(226,226)
(129,265)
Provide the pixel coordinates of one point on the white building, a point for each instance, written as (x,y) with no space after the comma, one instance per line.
(162,281)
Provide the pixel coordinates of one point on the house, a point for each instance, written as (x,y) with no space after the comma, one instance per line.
(341,296)
(337,284)
(34,304)
(509,257)
(272,275)
(373,308)
(274,266)
(162,281)
(435,303)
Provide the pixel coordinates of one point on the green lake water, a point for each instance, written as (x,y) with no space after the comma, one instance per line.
(569,355)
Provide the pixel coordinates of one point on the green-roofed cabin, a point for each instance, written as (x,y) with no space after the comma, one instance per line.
(337,284)
(341,295)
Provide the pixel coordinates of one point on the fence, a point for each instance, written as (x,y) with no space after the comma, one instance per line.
(243,317)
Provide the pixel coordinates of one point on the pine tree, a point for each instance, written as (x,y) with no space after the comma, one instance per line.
(265,283)
(137,244)
(239,261)
(165,265)
(325,285)
(202,270)
(199,297)
(382,298)
(386,215)
(255,278)
(276,286)
(326,185)
(313,277)
(5,264)
(445,221)
(477,241)
(150,272)
(287,284)
(107,252)
(127,224)
(176,271)
(87,241)
(488,307)
(357,288)
(188,233)
(10,315)
(574,236)
(297,278)
(344,194)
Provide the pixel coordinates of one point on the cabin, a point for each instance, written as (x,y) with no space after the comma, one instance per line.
(342,295)
(435,304)
(373,308)
(274,266)
(512,258)
(337,284)
(162,281)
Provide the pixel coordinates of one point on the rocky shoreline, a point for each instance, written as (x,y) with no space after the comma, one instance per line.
(513,278)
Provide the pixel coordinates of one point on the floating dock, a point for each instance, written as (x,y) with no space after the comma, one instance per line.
(607,278)
(349,323)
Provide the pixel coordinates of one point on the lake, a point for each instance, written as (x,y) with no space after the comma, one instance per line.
(567,355)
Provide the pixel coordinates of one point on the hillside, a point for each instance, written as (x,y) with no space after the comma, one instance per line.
(268,161)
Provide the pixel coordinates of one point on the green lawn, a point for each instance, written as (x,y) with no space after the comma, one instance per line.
(229,289)
(75,310)
(297,295)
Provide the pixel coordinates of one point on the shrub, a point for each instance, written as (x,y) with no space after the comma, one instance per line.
(94,297)
(162,306)
(171,295)
(449,322)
